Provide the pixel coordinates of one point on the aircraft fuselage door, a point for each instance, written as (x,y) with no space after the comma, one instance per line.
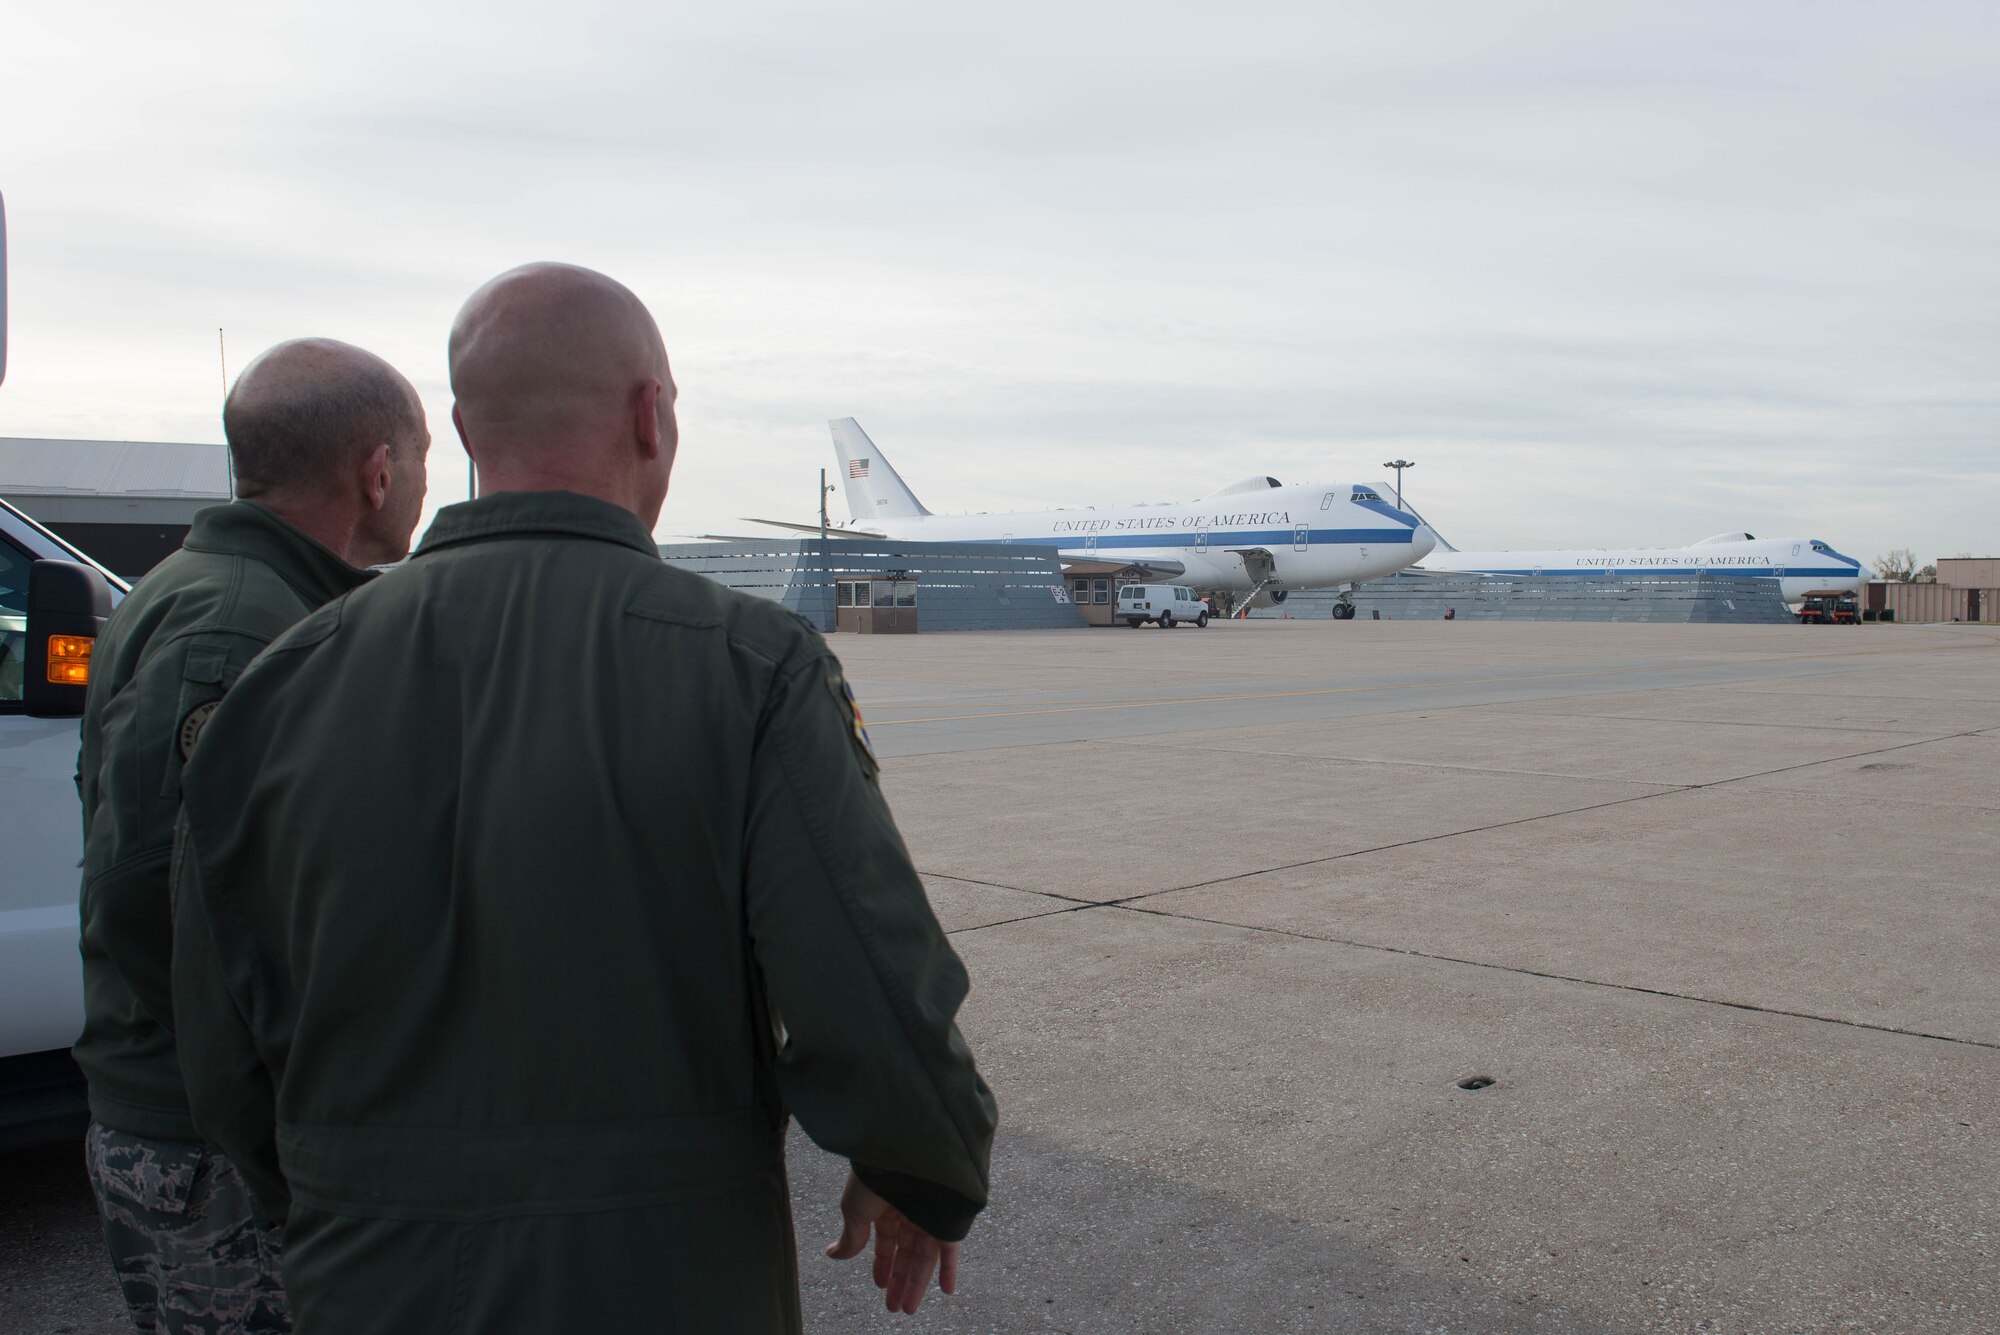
(1326,501)
(1090,543)
(1299,538)
(1201,541)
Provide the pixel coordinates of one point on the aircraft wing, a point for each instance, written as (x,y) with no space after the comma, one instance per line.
(1258,563)
(831,532)
(1092,563)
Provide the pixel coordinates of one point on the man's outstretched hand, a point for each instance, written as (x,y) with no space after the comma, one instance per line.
(905,1255)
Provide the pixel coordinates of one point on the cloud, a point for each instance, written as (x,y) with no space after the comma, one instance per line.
(1630,274)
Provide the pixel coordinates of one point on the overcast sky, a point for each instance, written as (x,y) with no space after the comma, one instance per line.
(1610,274)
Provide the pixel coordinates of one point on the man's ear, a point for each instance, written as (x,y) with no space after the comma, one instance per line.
(373,475)
(646,418)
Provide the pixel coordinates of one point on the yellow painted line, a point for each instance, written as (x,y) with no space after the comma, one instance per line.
(1169,701)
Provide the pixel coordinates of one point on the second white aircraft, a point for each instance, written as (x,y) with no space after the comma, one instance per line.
(1802,566)
(1257,539)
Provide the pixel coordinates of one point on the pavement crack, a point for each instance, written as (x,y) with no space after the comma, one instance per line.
(1525,972)
(1667,791)
(1390,763)
(1664,790)
(999,885)
(1075,906)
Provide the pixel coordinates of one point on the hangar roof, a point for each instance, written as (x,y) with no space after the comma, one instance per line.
(31,466)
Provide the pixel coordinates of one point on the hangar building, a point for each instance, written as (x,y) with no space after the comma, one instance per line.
(1967,588)
(882,585)
(126,502)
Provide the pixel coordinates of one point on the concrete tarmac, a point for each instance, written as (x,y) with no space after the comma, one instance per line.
(1715,909)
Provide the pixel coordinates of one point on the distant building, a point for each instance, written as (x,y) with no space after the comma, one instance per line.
(1967,589)
(876,585)
(1969,572)
(126,502)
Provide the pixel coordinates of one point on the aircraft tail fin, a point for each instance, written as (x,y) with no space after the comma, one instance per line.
(1442,545)
(874,489)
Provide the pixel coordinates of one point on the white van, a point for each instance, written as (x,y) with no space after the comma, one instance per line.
(46,586)
(1162,604)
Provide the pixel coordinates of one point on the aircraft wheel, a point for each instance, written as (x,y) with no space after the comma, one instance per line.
(1201,621)
(1166,621)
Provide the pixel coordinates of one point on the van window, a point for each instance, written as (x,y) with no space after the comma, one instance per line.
(14,568)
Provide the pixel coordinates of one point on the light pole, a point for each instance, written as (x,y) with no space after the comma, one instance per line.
(826,489)
(1399,465)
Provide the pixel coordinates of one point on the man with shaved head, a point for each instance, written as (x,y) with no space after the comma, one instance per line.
(328,444)
(522,1058)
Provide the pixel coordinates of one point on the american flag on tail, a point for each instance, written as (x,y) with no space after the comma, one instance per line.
(857,468)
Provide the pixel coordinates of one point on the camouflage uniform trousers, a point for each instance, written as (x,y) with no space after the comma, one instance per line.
(194,1254)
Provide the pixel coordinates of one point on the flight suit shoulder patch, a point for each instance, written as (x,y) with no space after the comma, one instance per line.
(850,708)
(204,677)
(191,726)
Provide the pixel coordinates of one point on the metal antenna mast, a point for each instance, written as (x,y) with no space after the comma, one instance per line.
(222,360)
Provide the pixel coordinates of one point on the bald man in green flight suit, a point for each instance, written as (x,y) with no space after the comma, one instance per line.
(328,443)
(526,891)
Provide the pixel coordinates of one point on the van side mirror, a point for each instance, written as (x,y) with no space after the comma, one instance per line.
(68,604)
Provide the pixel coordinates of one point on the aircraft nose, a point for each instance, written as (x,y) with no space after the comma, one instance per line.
(1422,541)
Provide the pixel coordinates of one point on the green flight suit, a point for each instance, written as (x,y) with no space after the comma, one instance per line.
(525,891)
(242,577)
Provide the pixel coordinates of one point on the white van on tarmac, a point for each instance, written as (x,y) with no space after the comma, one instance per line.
(1161,604)
(53,602)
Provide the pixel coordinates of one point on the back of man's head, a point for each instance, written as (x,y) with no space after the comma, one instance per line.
(561,383)
(304,414)
(332,438)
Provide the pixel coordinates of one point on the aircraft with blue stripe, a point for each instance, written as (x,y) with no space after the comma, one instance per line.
(1802,566)
(1257,539)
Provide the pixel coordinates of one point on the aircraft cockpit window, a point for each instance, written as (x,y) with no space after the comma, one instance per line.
(1364,494)
(1821,547)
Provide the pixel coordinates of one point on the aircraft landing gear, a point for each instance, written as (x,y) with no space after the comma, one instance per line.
(1344,609)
